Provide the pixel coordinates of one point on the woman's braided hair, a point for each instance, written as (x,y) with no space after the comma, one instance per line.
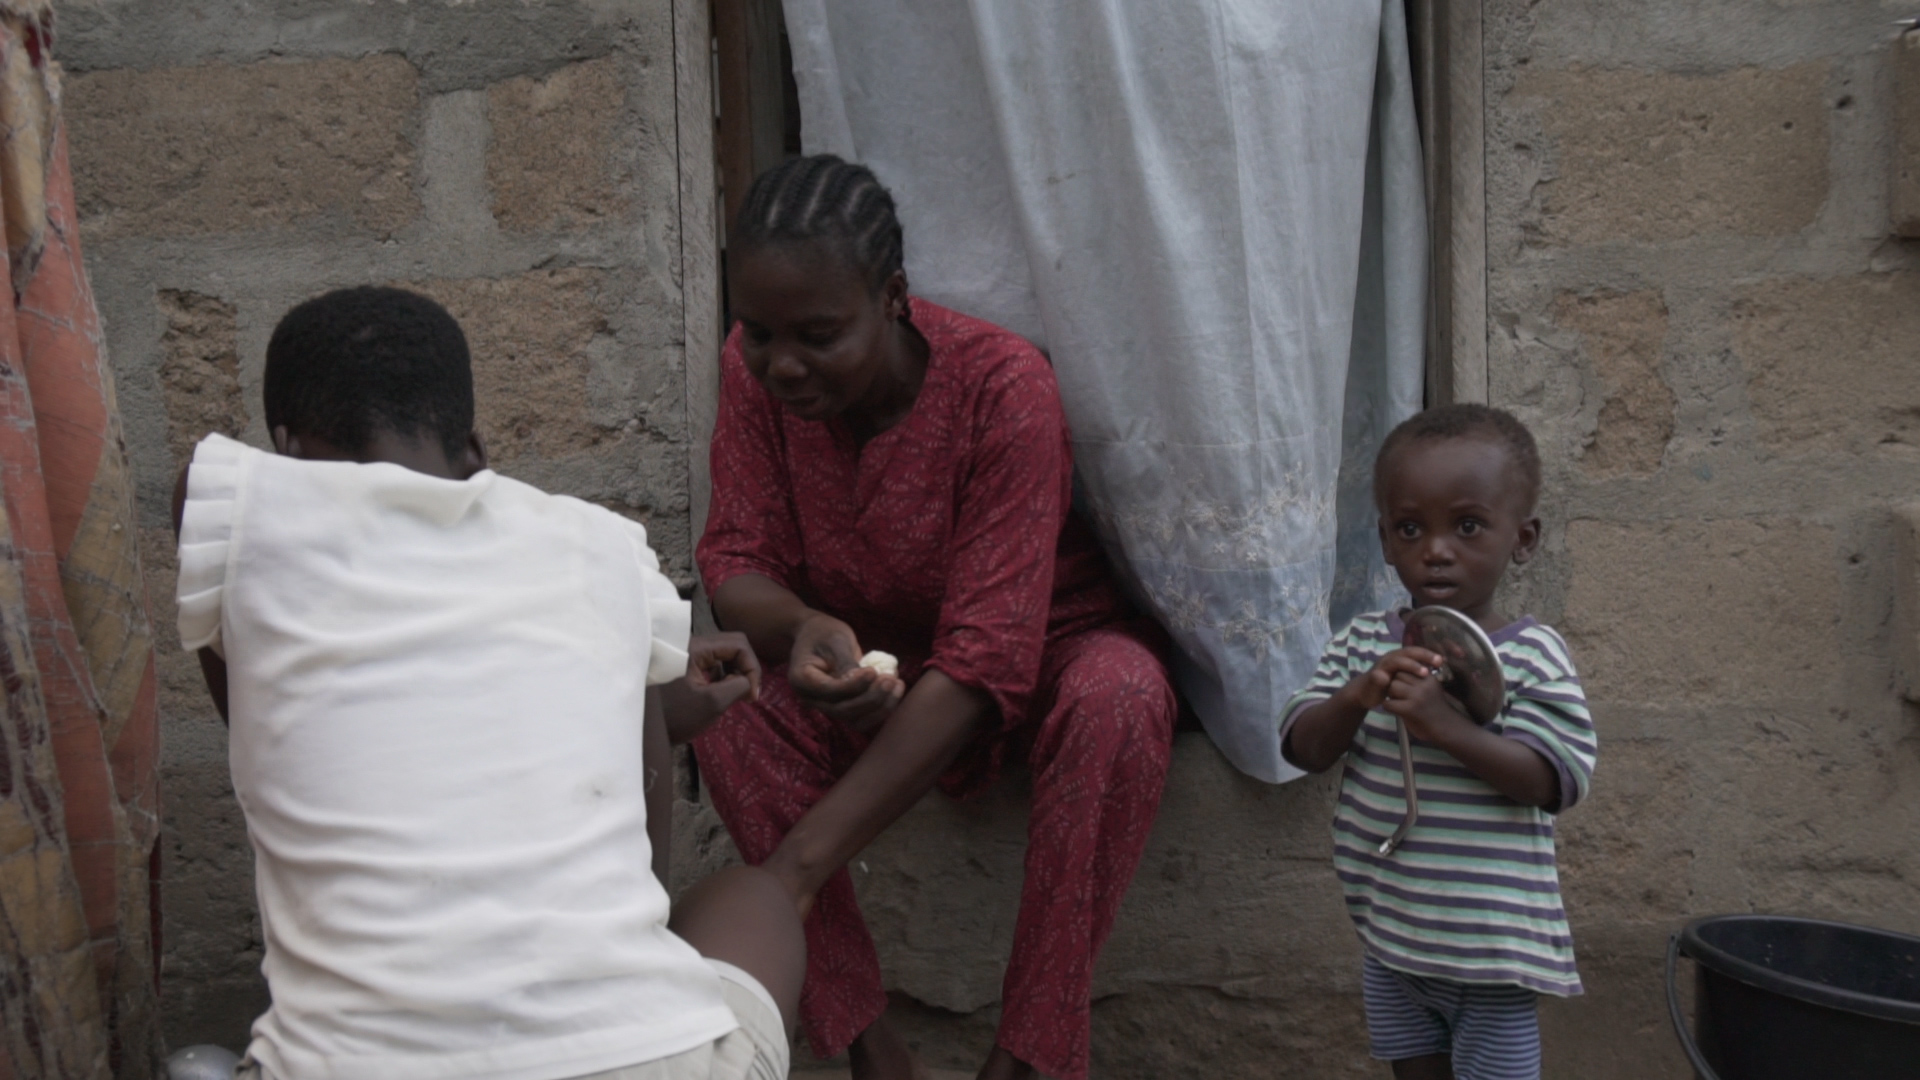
(824,198)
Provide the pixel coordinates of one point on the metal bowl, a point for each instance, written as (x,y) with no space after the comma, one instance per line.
(1471,672)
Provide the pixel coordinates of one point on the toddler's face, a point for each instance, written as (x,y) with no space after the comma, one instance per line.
(1452,517)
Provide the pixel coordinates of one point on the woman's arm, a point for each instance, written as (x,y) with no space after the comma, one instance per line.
(918,742)
(823,655)
(767,612)
(749,553)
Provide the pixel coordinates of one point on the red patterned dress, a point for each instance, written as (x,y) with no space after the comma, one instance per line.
(947,540)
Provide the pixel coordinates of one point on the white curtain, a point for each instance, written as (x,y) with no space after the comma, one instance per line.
(1210,213)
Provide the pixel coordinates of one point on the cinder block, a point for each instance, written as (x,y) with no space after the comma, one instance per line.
(554,159)
(1729,612)
(199,371)
(1830,363)
(532,337)
(1906,622)
(1655,157)
(1906,135)
(1628,848)
(222,148)
(1622,336)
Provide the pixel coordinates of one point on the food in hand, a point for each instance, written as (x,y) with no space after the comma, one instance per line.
(884,663)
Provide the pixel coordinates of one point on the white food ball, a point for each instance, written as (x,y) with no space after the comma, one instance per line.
(884,663)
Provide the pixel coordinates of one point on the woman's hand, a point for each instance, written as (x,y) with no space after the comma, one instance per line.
(826,675)
(722,670)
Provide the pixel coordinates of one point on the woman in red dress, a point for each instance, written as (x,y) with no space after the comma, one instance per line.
(892,475)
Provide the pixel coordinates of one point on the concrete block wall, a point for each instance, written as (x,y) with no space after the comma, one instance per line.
(519,160)
(1697,301)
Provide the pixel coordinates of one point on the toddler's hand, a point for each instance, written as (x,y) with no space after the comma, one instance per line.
(1429,713)
(1370,690)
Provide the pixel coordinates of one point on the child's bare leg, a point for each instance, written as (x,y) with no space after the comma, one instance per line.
(744,917)
(1429,1067)
(1002,1065)
(882,1053)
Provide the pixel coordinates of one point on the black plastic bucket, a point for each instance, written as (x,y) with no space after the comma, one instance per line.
(1798,999)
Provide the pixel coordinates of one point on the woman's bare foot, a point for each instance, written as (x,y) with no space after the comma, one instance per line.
(1002,1065)
(881,1053)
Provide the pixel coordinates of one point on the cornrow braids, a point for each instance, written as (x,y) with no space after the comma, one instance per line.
(825,198)
(1468,421)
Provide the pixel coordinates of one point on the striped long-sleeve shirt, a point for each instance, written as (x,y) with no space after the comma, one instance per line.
(1472,893)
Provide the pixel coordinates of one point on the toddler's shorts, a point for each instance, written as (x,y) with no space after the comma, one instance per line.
(1493,1032)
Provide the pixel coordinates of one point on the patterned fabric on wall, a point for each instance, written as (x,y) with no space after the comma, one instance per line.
(79,785)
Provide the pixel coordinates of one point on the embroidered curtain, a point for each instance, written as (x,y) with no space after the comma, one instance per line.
(1211,214)
(79,734)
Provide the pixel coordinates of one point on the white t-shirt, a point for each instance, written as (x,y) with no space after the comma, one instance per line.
(437,691)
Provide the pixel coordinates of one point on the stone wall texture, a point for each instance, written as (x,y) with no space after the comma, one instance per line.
(1695,299)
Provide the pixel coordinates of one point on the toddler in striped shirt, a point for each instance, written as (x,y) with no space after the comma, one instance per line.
(1462,925)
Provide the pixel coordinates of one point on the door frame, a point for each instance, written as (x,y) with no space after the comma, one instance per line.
(1449,72)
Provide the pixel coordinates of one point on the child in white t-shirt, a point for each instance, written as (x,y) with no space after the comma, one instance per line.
(451,698)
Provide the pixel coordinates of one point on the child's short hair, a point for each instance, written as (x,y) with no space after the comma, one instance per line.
(354,362)
(1462,422)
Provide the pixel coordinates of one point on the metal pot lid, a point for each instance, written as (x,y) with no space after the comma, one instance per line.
(1471,672)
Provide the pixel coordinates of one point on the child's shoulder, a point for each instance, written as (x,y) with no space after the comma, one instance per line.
(591,517)
(1371,622)
(1373,631)
(1529,632)
(1535,648)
